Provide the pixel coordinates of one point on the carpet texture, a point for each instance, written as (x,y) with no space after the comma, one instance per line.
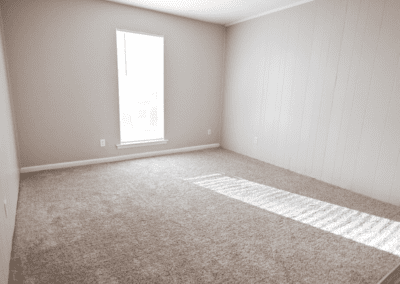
(147,221)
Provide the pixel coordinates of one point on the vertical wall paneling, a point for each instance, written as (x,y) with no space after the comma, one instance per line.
(230,87)
(293,103)
(255,89)
(304,47)
(267,59)
(316,55)
(388,168)
(9,167)
(330,80)
(328,26)
(389,150)
(330,96)
(367,140)
(395,190)
(277,82)
(245,117)
(380,90)
(286,110)
(365,72)
(270,95)
(228,101)
(352,76)
(339,95)
(271,90)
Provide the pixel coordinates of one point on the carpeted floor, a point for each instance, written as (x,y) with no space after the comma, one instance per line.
(152,221)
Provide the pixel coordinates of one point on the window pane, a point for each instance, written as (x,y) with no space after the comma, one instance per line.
(141,84)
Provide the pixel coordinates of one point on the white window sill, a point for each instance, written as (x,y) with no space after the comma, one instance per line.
(141,143)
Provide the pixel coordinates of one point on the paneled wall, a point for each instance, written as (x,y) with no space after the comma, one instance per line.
(319,86)
(9,169)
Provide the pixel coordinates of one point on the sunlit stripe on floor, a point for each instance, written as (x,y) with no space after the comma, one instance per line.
(358,226)
(337,211)
(351,226)
(392,245)
(296,203)
(232,189)
(379,241)
(228,187)
(314,215)
(358,231)
(259,199)
(375,230)
(332,226)
(221,180)
(369,233)
(286,200)
(281,207)
(302,216)
(221,184)
(394,234)
(323,212)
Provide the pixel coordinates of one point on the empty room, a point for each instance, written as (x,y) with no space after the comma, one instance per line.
(200,141)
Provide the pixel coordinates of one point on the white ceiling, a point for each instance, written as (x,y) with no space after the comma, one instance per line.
(225,12)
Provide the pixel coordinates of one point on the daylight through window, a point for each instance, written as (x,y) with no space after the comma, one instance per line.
(141,86)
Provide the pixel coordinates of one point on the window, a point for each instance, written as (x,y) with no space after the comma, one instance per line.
(141,88)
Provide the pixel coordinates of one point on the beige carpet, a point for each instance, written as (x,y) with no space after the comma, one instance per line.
(175,219)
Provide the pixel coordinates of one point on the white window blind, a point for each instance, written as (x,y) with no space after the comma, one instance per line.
(141,86)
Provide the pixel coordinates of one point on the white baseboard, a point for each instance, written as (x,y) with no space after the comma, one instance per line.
(116,159)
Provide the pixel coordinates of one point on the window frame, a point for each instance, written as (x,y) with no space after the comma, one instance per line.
(138,143)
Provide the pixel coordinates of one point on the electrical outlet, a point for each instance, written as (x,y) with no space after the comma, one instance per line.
(209,131)
(102,142)
(255,140)
(5,207)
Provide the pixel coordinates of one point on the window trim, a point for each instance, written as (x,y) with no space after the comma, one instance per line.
(139,143)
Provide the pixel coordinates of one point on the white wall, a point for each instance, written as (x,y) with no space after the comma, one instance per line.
(319,85)
(63,69)
(9,170)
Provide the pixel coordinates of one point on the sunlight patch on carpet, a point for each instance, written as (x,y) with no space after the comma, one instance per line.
(367,229)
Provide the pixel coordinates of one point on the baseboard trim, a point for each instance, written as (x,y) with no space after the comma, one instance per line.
(393,277)
(116,159)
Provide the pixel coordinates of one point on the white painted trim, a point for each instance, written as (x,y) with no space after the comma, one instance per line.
(139,32)
(384,278)
(116,159)
(141,143)
(269,12)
